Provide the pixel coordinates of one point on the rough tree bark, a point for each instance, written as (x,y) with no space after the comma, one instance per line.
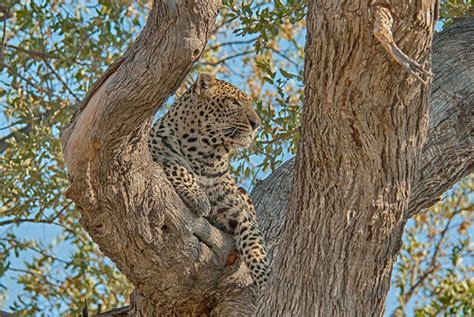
(447,155)
(126,205)
(362,129)
(363,125)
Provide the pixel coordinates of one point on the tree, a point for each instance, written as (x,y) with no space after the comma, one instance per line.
(351,196)
(224,250)
(428,263)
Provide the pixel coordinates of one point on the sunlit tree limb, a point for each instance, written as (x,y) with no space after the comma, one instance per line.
(127,207)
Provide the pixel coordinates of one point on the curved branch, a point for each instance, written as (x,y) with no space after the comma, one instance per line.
(448,153)
(176,261)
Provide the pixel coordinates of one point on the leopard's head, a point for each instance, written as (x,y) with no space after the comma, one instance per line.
(215,113)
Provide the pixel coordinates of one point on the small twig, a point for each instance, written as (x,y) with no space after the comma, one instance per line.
(44,280)
(13,73)
(15,134)
(383,32)
(12,125)
(32,53)
(230,43)
(2,43)
(5,10)
(14,243)
(282,55)
(65,85)
(18,134)
(40,221)
(4,13)
(223,60)
(434,258)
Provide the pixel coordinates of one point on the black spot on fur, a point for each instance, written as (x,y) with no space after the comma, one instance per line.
(232,224)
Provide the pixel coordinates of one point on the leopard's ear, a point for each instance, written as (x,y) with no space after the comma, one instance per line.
(203,82)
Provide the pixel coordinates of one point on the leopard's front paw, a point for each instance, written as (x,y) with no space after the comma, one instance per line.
(196,200)
(202,207)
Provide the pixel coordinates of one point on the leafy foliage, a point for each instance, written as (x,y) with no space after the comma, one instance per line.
(51,51)
(449,10)
(434,274)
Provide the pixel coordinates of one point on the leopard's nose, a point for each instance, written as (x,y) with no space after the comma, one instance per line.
(254,123)
(253,118)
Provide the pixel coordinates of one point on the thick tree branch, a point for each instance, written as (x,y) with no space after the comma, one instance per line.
(448,154)
(127,206)
(363,127)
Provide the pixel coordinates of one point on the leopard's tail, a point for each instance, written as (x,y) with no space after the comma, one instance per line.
(251,246)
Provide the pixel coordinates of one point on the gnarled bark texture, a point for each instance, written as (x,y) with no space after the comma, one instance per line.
(363,126)
(127,207)
(356,172)
(448,153)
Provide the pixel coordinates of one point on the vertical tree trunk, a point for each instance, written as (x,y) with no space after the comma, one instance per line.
(363,126)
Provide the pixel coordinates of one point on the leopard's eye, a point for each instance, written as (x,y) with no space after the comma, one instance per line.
(234,101)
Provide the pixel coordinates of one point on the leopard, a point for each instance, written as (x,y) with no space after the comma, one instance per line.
(194,142)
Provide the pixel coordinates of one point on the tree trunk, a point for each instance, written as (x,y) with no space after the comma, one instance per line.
(137,219)
(363,126)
